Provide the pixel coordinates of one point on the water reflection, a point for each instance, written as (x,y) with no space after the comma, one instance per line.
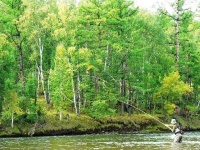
(157,141)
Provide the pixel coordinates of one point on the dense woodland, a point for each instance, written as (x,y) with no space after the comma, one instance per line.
(98,58)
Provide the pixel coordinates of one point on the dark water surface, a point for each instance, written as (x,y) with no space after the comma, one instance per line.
(156,141)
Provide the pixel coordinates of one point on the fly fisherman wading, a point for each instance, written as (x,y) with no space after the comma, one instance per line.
(175,128)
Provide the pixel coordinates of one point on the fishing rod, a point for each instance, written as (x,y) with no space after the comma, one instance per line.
(147,114)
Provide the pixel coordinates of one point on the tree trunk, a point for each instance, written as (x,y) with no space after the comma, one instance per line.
(123,87)
(60,113)
(1,101)
(78,93)
(106,59)
(73,87)
(38,81)
(177,34)
(198,104)
(48,92)
(130,100)
(40,46)
(18,45)
(21,65)
(74,95)
(123,95)
(12,120)
(41,67)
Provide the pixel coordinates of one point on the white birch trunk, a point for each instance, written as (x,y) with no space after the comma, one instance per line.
(12,120)
(38,80)
(40,46)
(60,114)
(73,88)
(79,93)
(74,95)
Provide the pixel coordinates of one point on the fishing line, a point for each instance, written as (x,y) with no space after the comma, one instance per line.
(147,114)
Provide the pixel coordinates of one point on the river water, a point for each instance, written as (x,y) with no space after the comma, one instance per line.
(154,141)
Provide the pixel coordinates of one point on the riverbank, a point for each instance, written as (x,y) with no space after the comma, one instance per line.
(74,125)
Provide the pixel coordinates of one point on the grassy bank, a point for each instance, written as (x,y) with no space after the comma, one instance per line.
(51,125)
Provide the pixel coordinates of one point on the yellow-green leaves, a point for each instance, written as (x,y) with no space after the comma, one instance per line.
(3,42)
(3,39)
(172,84)
(10,106)
(173,88)
(169,107)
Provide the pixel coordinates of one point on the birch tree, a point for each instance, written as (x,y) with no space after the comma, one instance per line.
(11,102)
(33,27)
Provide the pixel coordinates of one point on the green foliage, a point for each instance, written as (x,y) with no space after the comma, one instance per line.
(31,84)
(10,106)
(193,109)
(24,103)
(6,115)
(100,109)
(94,55)
(173,89)
(60,79)
(31,118)
(169,108)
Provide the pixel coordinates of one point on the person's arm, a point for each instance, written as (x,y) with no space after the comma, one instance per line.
(171,127)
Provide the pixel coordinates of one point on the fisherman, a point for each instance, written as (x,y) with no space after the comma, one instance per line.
(176,130)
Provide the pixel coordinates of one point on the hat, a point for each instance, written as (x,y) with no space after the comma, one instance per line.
(173,121)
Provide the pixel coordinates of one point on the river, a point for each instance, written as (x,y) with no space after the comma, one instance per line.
(153,141)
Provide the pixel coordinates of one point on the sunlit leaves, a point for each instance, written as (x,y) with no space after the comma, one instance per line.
(60,79)
(169,107)
(173,88)
(92,46)
(10,106)
(3,43)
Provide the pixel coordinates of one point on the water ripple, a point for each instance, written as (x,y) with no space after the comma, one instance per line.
(156,141)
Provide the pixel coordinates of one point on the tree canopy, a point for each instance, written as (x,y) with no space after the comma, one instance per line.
(97,57)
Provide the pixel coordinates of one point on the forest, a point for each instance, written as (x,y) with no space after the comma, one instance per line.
(97,58)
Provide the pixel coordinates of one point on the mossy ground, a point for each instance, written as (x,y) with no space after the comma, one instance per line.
(84,124)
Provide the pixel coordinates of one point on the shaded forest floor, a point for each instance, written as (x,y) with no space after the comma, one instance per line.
(138,123)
